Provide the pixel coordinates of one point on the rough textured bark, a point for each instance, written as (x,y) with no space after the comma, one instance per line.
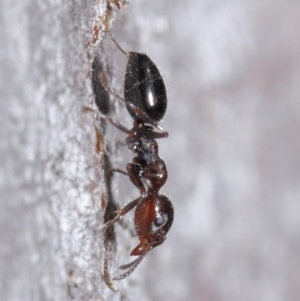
(50,196)
(232,69)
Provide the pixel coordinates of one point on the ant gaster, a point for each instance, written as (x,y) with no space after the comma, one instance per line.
(146,101)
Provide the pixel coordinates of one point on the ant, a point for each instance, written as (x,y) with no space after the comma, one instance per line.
(146,102)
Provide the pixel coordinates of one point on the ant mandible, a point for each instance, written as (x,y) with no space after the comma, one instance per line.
(146,102)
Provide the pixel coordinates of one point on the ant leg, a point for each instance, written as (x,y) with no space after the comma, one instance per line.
(119,47)
(162,132)
(120,143)
(154,135)
(117,125)
(106,87)
(135,173)
(112,170)
(122,212)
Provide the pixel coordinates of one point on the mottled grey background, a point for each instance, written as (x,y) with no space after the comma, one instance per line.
(232,70)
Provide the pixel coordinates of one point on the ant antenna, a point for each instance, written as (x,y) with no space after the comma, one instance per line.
(135,265)
(116,43)
(128,265)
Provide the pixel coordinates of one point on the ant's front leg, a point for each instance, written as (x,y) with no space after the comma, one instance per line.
(135,173)
(121,212)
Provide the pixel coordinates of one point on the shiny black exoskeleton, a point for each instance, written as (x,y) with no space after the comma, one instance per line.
(146,101)
(144,88)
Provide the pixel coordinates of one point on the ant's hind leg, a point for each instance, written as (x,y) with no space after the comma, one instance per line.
(121,212)
(107,88)
(120,143)
(116,43)
(117,125)
(123,172)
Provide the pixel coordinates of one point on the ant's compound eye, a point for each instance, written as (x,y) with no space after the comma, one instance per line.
(159,221)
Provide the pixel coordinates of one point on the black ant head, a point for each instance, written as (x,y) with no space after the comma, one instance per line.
(153,219)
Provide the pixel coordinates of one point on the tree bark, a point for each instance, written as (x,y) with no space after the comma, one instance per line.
(51,247)
(233,72)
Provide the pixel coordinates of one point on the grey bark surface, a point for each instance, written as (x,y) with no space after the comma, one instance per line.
(50,203)
(232,69)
